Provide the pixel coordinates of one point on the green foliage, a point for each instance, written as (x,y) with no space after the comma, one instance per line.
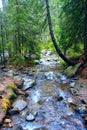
(48,46)
(22,21)
(19,61)
(71,25)
(12,88)
(13,95)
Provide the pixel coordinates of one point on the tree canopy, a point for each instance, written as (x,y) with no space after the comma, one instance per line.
(24,27)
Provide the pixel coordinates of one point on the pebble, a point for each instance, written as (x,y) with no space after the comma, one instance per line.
(30,117)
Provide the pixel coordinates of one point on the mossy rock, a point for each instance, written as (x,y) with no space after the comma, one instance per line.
(71,70)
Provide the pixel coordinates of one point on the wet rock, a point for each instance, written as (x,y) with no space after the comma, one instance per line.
(41,128)
(19,127)
(20,104)
(50,75)
(71,70)
(72,84)
(28,84)
(83,101)
(73,91)
(82,110)
(13,111)
(30,117)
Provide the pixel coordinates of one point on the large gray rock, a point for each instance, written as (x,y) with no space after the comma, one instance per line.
(28,84)
(20,104)
(71,70)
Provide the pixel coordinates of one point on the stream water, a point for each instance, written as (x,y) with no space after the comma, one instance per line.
(48,100)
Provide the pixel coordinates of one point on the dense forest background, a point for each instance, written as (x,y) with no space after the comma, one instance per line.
(24,29)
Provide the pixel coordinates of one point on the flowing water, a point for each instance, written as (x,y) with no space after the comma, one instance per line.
(48,100)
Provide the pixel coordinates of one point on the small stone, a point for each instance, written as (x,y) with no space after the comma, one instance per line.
(72,84)
(6,121)
(30,117)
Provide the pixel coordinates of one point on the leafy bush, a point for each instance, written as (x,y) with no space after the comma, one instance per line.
(19,60)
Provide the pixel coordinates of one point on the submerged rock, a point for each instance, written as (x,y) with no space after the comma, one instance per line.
(71,70)
(28,84)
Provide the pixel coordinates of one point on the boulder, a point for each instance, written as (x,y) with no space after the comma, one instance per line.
(71,70)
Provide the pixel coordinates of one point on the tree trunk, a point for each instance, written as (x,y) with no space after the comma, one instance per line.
(2,37)
(18,27)
(53,38)
(85,32)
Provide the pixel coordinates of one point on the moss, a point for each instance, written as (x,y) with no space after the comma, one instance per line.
(12,86)
(13,95)
(6,104)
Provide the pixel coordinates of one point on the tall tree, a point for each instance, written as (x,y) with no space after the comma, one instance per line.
(53,38)
(73,25)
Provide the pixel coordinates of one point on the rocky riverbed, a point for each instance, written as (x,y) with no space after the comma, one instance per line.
(48,99)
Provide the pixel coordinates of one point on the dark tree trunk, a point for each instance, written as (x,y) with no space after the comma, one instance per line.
(18,26)
(85,32)
(53,38)
(2,37)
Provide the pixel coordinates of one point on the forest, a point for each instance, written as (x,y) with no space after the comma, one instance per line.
(24,28)
(43,64)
